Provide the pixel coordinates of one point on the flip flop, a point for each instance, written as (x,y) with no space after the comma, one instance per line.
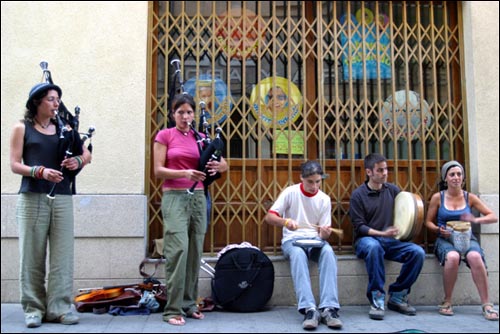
(196,315)
(177,321)
(446,309)
(489,314)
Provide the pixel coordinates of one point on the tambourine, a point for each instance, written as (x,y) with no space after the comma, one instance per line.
(408,215)
(309,243)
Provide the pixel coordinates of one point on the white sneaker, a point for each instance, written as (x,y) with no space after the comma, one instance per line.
(311,320)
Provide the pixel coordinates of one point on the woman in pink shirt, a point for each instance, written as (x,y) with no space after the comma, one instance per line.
(176,160)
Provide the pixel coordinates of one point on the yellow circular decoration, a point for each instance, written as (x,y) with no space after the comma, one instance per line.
(368,16)
(276,98)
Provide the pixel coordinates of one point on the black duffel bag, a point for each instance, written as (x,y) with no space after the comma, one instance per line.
(243,281)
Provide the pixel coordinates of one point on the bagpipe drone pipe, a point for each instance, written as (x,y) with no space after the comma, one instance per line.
(70,142)
(210,149)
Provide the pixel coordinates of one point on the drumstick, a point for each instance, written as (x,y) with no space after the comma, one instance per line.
(337,231)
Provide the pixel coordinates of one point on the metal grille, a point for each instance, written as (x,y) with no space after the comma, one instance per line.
(291,81)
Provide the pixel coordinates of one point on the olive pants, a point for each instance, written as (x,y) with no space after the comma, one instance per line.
(184,227)
(43,221)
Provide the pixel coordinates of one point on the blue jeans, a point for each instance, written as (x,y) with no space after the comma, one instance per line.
(375,249)
(443,246)
(299,267)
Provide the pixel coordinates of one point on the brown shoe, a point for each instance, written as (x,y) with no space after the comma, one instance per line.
(402,307)
(376,313)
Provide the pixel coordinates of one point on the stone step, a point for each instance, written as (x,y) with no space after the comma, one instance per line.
(353,281)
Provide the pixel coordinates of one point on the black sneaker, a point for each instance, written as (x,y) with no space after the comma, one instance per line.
(311,320)
(330,317)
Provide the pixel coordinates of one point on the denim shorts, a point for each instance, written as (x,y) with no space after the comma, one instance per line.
(443,246)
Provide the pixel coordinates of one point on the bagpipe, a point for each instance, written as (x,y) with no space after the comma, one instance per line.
(70,143)
(210,149)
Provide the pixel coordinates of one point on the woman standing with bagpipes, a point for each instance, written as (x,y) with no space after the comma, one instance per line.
(176,160)
(45,207)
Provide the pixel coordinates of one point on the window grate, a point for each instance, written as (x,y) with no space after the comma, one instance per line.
(290,81)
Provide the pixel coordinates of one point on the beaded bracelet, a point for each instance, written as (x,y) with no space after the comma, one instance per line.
(42,169)
(80,161)
(286,222)
(32,171)
(39,172)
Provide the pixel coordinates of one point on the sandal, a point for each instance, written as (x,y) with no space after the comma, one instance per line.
(196,315)
(446,309)
(177,321)
(491,313)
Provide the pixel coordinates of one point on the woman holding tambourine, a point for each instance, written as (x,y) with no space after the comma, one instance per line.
(452,203)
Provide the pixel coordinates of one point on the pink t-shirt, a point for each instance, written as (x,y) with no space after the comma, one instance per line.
(182,153)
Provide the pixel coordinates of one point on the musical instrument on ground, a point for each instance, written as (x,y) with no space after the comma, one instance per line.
(101,300)
(408,215)
(108,292)
(99,294)
(460,235)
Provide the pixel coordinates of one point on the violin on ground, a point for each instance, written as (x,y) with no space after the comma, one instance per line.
(96,294)
(99,294)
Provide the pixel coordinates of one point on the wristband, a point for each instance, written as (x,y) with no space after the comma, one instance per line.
(79,159)
(33,171)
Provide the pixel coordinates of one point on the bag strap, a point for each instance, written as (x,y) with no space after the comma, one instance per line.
(237,265)
(149,278)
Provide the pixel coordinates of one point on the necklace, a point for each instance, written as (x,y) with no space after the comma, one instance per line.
(43,126)
(184,133)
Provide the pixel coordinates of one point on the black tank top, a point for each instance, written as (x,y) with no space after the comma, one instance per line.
(41,150)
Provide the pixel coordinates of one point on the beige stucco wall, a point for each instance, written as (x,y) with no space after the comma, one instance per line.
(97,53)
(481,72)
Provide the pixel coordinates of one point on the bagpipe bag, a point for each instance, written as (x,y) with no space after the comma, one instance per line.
(243,281)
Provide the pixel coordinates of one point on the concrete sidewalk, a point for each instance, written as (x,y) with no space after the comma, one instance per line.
(467,319)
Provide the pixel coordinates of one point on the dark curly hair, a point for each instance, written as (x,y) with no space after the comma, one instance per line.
(35,100)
